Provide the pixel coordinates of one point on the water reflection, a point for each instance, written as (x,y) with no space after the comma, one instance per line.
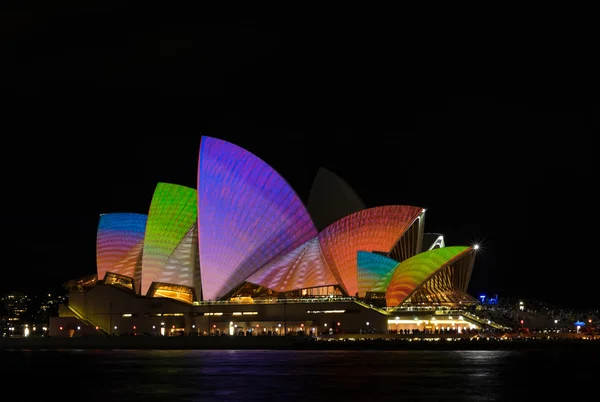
(293,375)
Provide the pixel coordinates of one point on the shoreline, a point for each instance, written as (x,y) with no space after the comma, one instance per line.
(281,343)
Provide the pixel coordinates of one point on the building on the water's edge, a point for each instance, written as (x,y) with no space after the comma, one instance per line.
(243,255)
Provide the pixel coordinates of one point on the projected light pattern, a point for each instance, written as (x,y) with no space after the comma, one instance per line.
(382,284)
(133,258)
(119,243)
(247,215)
(183,262)
(373,229)
(415,271)
(302,268)
(373,267)
(172,217)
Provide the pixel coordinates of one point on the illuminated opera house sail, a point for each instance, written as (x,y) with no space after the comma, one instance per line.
(247,216)
(119,245)
(170,261)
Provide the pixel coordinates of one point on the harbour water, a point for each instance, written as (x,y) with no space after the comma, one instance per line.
(292,375)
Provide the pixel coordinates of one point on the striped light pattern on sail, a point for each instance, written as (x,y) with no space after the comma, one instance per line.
(183,263)
(415,271)
(373,229)
(247,215)
(119,243)
(373,267)
(301,268)
(382,284)
(171,219)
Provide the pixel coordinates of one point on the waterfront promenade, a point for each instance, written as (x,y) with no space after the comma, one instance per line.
(290,343)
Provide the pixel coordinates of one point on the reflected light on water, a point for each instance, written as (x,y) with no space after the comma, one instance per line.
(226,375)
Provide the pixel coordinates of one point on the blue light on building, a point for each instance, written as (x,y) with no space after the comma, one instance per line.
(485,300)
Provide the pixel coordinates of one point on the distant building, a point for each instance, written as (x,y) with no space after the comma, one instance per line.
(15,307)
(3,319)
(241,253)
(28,315)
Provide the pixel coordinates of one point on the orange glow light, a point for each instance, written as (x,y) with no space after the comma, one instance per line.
(373,229)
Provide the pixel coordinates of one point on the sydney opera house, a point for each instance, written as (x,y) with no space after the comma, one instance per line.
(242,254)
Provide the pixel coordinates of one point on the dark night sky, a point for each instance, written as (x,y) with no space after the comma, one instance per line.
(112,100)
